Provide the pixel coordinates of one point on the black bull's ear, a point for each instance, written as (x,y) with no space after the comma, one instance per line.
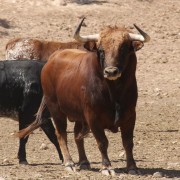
(90,46)
(137,45)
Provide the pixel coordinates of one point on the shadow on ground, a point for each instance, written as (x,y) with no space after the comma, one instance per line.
(5,23)
(85,2)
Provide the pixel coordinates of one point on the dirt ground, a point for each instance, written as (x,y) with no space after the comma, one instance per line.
(157,132)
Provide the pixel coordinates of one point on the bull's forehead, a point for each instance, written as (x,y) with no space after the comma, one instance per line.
(113,37)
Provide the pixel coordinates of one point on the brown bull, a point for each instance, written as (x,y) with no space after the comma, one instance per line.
(26,48)
(97,90)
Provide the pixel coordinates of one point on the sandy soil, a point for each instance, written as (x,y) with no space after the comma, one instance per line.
(157,137)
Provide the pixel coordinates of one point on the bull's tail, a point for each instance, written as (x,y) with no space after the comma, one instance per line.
(37,123)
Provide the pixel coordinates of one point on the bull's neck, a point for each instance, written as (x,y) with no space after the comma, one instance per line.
(119,87)
(114,87)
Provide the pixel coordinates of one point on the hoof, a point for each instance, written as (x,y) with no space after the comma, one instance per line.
(70,168)
(108,172)
(23,162)
(85,165)
(112,172)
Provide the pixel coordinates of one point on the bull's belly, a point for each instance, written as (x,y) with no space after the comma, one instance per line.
(74,119)
(13,114)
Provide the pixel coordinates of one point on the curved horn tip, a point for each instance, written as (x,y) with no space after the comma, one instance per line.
(136,26)
(146,36)
(84,38)
(79,27)
(82,20)
(80,24)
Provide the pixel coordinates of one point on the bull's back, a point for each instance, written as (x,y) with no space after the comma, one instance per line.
(23,48)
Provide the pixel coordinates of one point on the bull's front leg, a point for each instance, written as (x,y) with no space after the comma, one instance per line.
(102,142)
(127,129)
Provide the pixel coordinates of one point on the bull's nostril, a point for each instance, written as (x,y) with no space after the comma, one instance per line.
(115,72)
(106,71)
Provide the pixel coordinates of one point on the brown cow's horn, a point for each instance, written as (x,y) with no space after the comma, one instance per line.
(143,37)
(79,38)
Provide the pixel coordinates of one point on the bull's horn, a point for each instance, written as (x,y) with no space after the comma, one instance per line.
(79,38)
(143,37)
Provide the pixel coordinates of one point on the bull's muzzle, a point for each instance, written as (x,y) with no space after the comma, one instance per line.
(111,73)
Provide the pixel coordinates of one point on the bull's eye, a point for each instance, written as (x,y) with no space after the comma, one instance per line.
(101,56)
(124,50)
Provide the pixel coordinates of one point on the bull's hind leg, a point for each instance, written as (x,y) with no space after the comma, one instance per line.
(61,126)
(82,130)
(127,128)
(79,139)
(49,130)
(60,121)
(22,151)
(26,116)
(22,142)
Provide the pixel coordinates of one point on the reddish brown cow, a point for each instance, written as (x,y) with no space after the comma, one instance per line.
(26,48)
(97,90)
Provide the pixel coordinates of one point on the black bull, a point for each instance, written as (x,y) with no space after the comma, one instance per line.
(20,95)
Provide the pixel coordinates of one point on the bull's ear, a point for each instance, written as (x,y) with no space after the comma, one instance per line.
(90,46)
(137,45)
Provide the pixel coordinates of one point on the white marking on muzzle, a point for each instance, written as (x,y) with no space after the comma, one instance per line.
(112,78)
